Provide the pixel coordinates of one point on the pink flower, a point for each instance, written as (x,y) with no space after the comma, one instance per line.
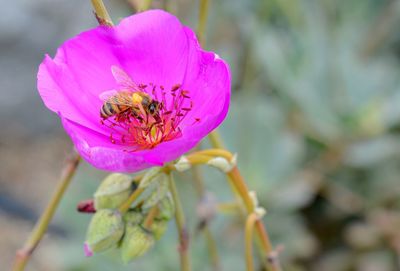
(136,95)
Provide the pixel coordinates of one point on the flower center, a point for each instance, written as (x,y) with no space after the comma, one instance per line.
(143,117)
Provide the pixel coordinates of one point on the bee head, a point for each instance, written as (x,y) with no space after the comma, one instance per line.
(153,107)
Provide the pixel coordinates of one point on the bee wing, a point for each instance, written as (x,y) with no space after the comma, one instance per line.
(122,78)
(117,97)
(106,95)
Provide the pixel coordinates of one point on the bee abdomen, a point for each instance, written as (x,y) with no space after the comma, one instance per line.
(108,110)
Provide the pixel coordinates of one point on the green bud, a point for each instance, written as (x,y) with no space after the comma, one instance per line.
(166,207)
(159,192)
(133,218)
(150,176)
(135,243)
(113,191)
(105,230)
(158,228)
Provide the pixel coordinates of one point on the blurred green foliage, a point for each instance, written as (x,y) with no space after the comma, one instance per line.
(315,119)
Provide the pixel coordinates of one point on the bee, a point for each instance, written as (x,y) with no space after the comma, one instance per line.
(129,100)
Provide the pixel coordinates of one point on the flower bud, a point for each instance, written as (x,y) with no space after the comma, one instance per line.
(113,191)
(133,218)
(183,164)
(105,230)
(86,206)
(160,190)
(223,164)
(150,176)
(135,243)
(158,228)
(166,207)
(260,212)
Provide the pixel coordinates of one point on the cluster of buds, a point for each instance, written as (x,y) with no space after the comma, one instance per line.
(134,231)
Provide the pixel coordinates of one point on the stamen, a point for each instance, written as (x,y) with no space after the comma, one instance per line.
(175,87)
(137,129)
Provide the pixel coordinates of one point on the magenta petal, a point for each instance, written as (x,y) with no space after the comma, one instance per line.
(150,47)
(209,85)
(97,150)
(88,251)
(61,93)
(155,47)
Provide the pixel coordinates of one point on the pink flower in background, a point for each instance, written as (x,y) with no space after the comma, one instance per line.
(135,95)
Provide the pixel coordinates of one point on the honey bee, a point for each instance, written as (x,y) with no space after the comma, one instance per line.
(130,100)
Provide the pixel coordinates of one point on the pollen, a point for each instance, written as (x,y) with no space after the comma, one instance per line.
(136,98)
(143,129)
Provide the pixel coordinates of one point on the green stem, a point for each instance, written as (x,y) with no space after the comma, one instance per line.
(266,247)
(203,14)
(212,248)
(101,13)
(181,226)
(145,5)
(127,204)
(248,233)
(216,140)
(148,221)
(24,254)
(198,181)
(211,244)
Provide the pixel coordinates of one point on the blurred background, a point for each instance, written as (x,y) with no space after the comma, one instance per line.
(315,119)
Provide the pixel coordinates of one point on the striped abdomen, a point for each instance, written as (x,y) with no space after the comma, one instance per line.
(111,109)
